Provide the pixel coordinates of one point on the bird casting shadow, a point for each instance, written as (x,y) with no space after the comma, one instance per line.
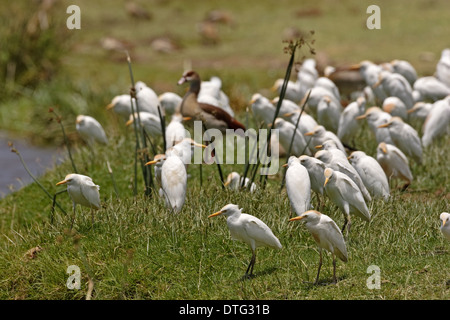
(259,274)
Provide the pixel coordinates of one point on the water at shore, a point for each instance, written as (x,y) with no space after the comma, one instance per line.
(13,175)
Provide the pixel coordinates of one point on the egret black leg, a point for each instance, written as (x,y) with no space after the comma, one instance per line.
(250,265)
(320,265)
(334,269)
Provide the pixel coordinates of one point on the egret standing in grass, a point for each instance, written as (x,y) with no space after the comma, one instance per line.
(327,236)
(90,130)
(83,191)
(371,173)
(234,181)
(405,138)
(249,229)
(298,186)
(445,224)
(173,179)
(394,163)
(344,193)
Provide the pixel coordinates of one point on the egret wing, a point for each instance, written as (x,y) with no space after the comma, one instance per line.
(260,232)
(90,191)
(335,237)
(351,192)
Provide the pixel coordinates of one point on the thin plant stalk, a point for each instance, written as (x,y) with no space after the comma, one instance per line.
(66,141)
(34,178)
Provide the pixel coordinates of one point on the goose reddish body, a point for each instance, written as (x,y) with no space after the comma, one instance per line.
(211,116)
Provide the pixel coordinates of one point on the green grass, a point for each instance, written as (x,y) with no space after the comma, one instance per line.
(137,249)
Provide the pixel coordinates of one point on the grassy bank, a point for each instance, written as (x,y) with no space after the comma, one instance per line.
(137,249)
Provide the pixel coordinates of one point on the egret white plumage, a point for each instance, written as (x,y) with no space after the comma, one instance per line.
(286,131)
(175,131)
(319,135)
(121,105)
(376,117)
(370,73)
(170,102)
(443,67)
(394,163)
(328,113)
(328,84)
(173,179)
(211,93)
(293,89)
(339,162)
(147,99)
(249,229)
(371,173)
(262,109)
(346,195)
(406,69)
(431,89)
(437,123)
(234,181)
(90,130)
(395,107)
(150,122)
(348,124)
(315,169)
(327,236)
(287,106)
(83,191)
(405,138)
(445,224)
(305,124)
(395,85)
(298,185)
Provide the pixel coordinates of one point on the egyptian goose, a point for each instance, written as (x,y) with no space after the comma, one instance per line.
(211,116)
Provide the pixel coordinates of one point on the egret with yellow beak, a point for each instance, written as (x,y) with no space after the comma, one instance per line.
(83,191)
(249,229)
(327,236)
(445,224)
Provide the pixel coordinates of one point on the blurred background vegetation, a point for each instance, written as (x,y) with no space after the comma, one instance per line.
(43,64)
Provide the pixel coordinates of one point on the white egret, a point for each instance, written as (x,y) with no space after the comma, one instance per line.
(371,173)
(337,160)
(327,236)
(328,84)
(317,93)
(437,123)
(83,191)
(445,224)
(305,124)
(395,107)
(293,89)
(420,111)
(234,181)
(147,100)
(370,72)
(406,69)
(186,149)
(395,85)
(249,229)
(173,179)
(262,109)
(431,89)
(320,135)
(315,169)
(121,105)
(298,185)
(348,124)
(346,195)
(376,117)
(286,131)
(150,122)
(443,67)
(211,93)
(90,130)
(405,138)
(175,131)
(170,102)
(394,163)
(328,113)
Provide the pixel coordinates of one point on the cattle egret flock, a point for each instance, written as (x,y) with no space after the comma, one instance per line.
(323,145)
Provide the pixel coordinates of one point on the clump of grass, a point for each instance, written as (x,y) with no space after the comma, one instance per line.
(33,43)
